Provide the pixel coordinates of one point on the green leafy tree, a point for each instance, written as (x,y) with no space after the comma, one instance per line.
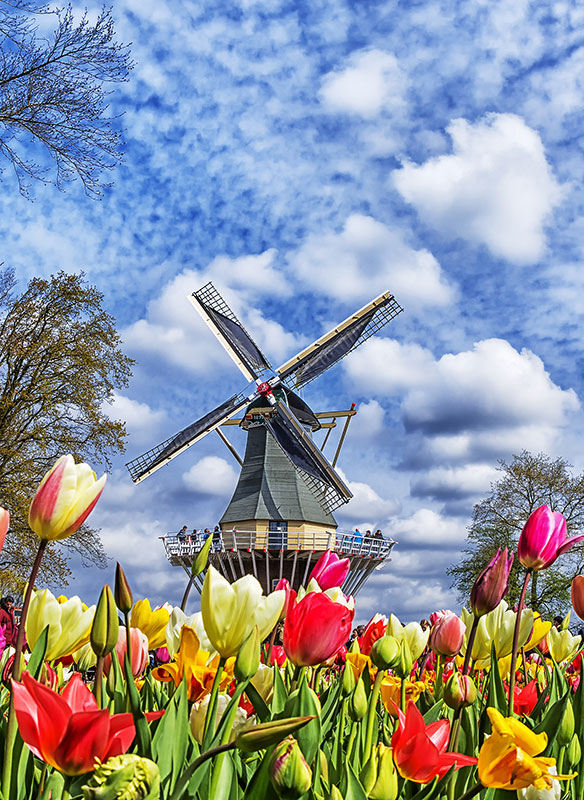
(526,483)
(60,363)
(53,96)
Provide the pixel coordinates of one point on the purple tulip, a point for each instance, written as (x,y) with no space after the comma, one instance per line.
(543,539)
(491,585)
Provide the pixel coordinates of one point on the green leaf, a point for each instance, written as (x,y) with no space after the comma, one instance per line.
(434,713)
(551,722)
(258,703)
(200,561)
(169,743)
(354,790)
(260,785)
(142,730)
(37,657)
(280,694)
(309,736)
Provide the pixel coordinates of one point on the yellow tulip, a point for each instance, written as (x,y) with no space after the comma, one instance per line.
(358,662)
(541,628)
(177,620)
(391,688)
(191,664)
(69,624)
(199,715)
(496,627)
(507,758)
(563,646)
(414,635)
(152,623)
(230,611)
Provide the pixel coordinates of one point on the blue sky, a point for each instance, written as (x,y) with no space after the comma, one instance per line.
(306,157)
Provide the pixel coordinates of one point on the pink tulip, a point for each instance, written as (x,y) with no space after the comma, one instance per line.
(315,628)
(543,539)
(330,570)
(284,584)
(491,585)
(139,646)
(4,525)
(447,634)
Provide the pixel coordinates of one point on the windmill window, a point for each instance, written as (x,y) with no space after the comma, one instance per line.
(277,535)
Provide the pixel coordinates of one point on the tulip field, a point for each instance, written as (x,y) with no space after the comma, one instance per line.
(267,697)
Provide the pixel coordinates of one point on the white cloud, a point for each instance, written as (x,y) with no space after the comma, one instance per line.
(211,475)
(497,187)
(449,482)
(367,258)
(372,82)
(426,528)
(389,367)
(366,507)
(141,421)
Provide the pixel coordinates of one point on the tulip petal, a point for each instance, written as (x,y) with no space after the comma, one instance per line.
(85,739)
(77,695)
(49,710)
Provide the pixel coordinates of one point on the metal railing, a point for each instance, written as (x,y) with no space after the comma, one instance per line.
(343,542)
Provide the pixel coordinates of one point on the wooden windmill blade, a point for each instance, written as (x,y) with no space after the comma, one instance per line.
(326,485)
(326,351)
(219,317)
(144,465)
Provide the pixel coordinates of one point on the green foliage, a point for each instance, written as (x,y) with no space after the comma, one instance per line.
(60,364)
(526,483)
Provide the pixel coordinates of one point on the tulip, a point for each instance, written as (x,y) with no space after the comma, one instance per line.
(289,773)
(330,570)
(531,793)
(358,662)
(231,611)
(543,539)
(358,702)
(105,627)
(460,691)
(263,682)
(177,620)
(199,714)
(412,633)
(541,628)
(278,655)
(248,657)
(162,655)
(251,738)
(194,665)
(315,628)
(447,635)
(4,525)
(84,658)
(390,691)
(562,645)
(491,585)
(152,623)
(385,652)
(496,627)
(379,776)
(374,630)
(69,625)
(526,698)
(65,498)
(122,591)
(68,730)
(284,585)
(507,758)
(419,750)
(578,595)
(125,777)
(138,646)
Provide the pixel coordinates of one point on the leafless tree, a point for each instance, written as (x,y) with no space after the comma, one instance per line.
(53,99)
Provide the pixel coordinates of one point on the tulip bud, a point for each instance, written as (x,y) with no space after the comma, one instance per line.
(125,777)
(348,681)
(335,793)
(578,595)
(447,635)
(358,702)
(105,627)
(379,776)
(460,691)
(405,663)
(122,591)
(385,652)
(258,737)
(248,658)
(491,585)
(574,752)
(84,658)
(567,726)
(323,762)
(290,775)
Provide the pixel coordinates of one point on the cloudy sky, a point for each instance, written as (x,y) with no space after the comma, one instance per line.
(306,157)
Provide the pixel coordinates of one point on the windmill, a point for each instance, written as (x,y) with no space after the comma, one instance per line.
(279,519)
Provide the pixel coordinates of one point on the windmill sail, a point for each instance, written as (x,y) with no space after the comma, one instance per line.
(230,332)
(320,477)
(337,343)
(153,459)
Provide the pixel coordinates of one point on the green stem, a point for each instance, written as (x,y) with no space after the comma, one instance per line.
(66,793)
(402,695)
(351,743)
(470,644)
(188,588)
(271,647)
(524,665)
(438,683)
(339,731)
(98,682)
(295,678)
(516,645)
(472,792)
(209,729)
(11,725)
(225,739)
(185,777)
(371,714)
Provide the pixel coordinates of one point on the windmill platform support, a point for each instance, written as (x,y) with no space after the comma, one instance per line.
(272,555)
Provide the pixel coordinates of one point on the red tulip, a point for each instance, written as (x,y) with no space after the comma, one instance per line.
(526,698)
(447,634)
(284,584)
(68,730)
(578,595)
(491,585)
(278,656)
(375,629)
(543,539)
(315,628)
(419,750)
(330,570)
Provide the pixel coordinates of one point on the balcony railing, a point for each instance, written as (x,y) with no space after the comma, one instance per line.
(344,543)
